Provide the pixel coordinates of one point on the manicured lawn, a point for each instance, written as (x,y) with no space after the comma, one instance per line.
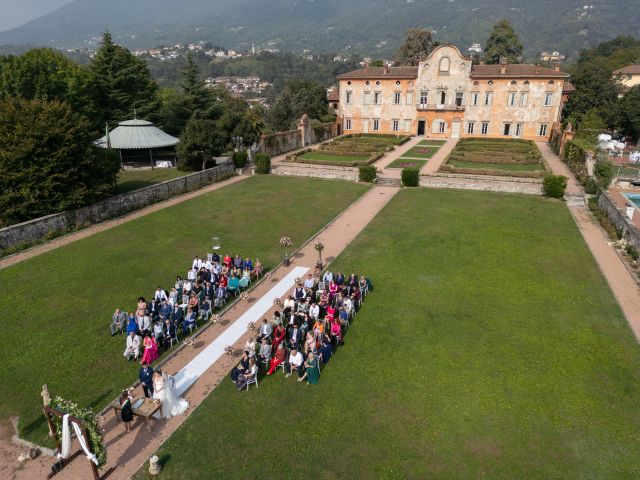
(333,158)
(129,180)
(427,151)
(403,162)
(57,307)
(381,138)
(507,167)
(491,347)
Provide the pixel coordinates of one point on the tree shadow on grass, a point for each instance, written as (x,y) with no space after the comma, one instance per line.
(131,185)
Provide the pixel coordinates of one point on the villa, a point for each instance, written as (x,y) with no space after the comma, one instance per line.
(446,96)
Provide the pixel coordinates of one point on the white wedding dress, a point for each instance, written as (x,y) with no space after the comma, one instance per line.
(172,404)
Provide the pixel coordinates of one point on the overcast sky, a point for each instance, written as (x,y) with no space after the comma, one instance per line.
(14,13)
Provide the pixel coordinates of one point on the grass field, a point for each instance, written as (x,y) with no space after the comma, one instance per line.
(57,307)
(507,167)
(129,180)
(403,162)
(491,348)
(426,151)
(334,158)
(432,142)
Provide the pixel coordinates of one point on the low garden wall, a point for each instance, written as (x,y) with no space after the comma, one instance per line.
(45,227)
(283,142)
(629,231)
(483,183)
(317,171)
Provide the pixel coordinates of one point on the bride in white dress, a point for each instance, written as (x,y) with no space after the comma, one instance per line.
(163,390)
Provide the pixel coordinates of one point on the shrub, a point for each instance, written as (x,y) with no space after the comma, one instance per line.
(554,185)
(604,173)
(239,159)
(410,177)
(263,163)
(591,186)
(632,251)
(367,173)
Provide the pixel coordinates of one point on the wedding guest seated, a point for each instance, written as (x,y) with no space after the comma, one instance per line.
(336,332)
(226,261)
(191,275)
(248,264)
(168,332)
(154,309)
(310,343)
(197,263)
(165,310)
(277,318)
(309,283)
(190,319)
(250,346)
(295,363)
(158,329)
(179,283)
(340,279)
(257,268)
(264,354)
(237,262)
(311,369)
(233,285)
(333,290)
(118,322)
(265,331)
(314,311)
(208,265)
(132,324)
(193,303)
(205,310)
(289,304)
(177,315)
(299,292)
(142,305)
(242,367)
(160,295)
(132,349)
(343,316)
(294,336)
(278,358)
(209,290)
(186,287)
(328,277)
(246,376)
(217,268)
(144,324)
(173,296)
(279,334)
(326,350)
(215,258)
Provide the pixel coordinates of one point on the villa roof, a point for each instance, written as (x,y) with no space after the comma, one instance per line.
(381,73)
(514,70)
(628,70)
(136,135)
(568,87)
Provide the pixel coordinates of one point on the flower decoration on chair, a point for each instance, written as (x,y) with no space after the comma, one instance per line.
(244,296)
(189,341)
(251,326)
(297,280)
(215,319)
(267,275)
(277,301)
(228,350)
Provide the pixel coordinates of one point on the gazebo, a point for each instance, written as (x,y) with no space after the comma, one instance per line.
(140,142)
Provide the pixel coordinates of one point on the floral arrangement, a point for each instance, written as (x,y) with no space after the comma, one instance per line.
(267,275)
(228,350)
(297,280)
(215,319)
(285,242)
(277,301)
(251,326)
(189,341)
(319,246)
(96,442)
(244,296)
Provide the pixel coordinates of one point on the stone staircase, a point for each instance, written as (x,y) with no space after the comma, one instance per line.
(388,182)
(575,200)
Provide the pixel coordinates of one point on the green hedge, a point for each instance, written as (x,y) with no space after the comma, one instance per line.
(239,159)
(493,172)
(554,185)
(367,173)
(410,177)
(263,163)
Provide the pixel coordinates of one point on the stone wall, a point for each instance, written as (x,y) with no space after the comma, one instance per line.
(305,135)
(629,231)
(317,171)
(40,228)
(488,184)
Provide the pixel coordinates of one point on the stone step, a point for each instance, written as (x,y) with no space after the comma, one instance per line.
(575,200)
(388,182)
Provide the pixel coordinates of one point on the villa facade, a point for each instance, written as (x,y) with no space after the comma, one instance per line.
(447,96)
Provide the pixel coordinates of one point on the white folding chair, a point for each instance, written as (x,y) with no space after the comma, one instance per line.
(253,381)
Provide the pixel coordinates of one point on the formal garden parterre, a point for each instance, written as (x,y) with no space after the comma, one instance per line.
(417,156)
(59,306)
(350,150)
(492,342)
(501,157)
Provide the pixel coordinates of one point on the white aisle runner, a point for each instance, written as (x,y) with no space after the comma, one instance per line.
(192,371)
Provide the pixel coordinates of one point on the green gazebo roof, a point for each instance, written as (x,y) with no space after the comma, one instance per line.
(137,135)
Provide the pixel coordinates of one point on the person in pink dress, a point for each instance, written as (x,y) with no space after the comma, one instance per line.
(150,350)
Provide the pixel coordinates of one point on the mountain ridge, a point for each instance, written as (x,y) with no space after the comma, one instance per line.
(370,27)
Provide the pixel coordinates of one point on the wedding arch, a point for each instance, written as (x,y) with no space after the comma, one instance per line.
(62,417)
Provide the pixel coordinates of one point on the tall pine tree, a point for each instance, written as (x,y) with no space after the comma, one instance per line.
(503,42)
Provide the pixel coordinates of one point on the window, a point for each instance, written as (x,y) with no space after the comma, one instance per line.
(396,98)
(524,99)
(512,99)
(488,98)
(376,125)
(442,127)
(348,99)
(424,96)
(485,128)
(459,99)
(378,82)
(507,129)
(395,125)
(409,98)
(471,127)
(443,68)
(519,128)
(367,98)
(542,131)
(407,125)
(474,98)
(443,98)
(347,124)
(377,98)
(548,99)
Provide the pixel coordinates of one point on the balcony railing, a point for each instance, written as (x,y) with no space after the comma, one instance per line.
(438,107)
